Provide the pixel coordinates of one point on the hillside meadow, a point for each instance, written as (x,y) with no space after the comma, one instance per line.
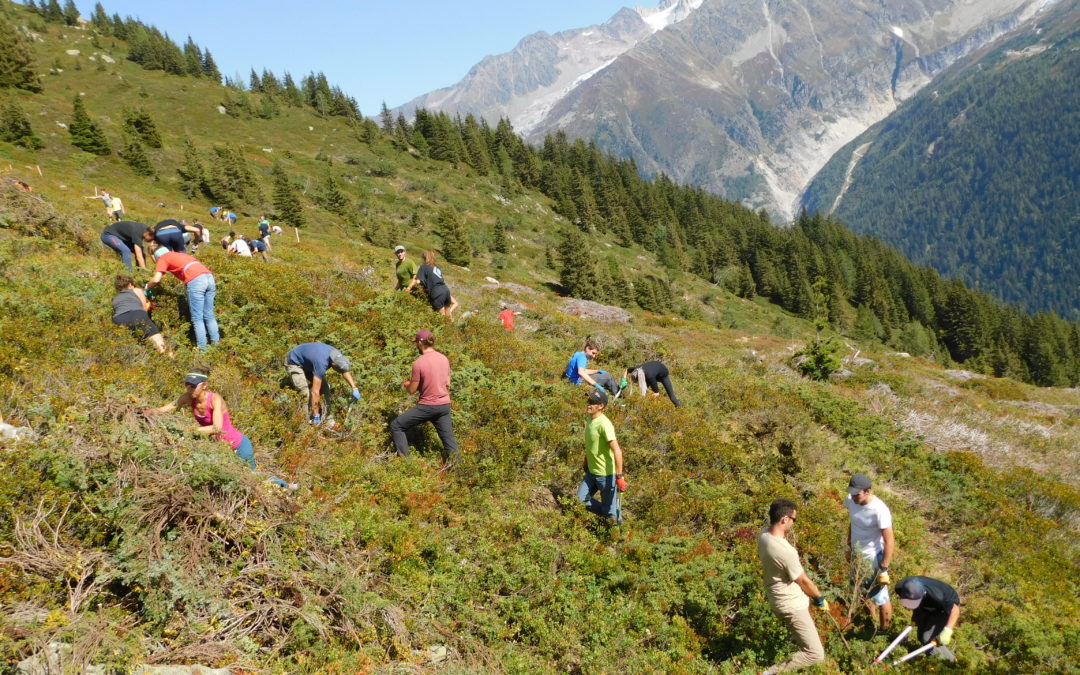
(134,542)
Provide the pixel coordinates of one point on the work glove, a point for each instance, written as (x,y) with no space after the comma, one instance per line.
(946,636)
(821,602)
(621,483)
(316,419)
(883,578)
(622,383)
(149,307)
(148,292)
(356,394)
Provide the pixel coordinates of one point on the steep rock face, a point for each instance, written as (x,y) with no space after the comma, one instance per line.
(748,98)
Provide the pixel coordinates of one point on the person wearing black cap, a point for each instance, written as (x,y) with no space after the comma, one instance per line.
(788,588)
(307,365)
(431,377)
(603,460)
(935,609)
(871,537)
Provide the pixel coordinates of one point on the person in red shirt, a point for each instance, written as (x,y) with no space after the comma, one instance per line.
(201,289)
(506,318)
(431,377)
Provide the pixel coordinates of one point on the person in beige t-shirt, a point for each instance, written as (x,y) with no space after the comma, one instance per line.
(788,588)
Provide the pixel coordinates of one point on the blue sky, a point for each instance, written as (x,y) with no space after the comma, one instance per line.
(375,50)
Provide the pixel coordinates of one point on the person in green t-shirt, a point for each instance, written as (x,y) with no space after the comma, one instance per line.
(603,460)
(404,270)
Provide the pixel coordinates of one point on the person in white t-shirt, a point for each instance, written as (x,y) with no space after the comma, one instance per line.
(240,248)
(871,537)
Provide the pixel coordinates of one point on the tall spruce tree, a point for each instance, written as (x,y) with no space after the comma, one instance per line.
(136,158)
(15,127)
(209,67)
(193,173)
(52,11)
(578,275)
(71,13)
(456,247)
(85,133)
(16,56)
(499,244)
(138,122)
(331,197)
(287,198)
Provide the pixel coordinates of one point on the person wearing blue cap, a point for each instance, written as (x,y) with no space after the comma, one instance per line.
(935,609)
(307,365)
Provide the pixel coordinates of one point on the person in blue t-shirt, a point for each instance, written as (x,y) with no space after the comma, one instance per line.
(577,369)
(307,365)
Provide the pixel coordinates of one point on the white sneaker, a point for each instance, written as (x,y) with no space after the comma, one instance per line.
(292,487)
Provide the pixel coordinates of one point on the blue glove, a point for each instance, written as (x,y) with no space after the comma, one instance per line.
(356,394)
(148,292)
(316,419)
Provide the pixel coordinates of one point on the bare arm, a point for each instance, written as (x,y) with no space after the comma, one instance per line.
(954,616)
(142,298)
(617,451)
(184,400)
(408,289)
(808,586)
(140,257)
(890,546)
(217,422)
(585,373)
(316,393)
(155,280)
(348,378)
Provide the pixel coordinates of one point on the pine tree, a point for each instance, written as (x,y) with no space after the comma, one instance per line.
(387,119)
(578,274)
(85,133)
(209,67)
(193,59)
(52,11)
(101,20)
(15,127)
(138,122)
(71,13)
(192,173)
(331,197)
(136,158)
(287,198)
(499,244)
(456,248)
(16,56)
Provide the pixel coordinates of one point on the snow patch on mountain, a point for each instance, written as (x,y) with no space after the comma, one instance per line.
(667,13)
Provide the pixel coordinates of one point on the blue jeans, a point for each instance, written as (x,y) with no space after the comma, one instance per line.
(200,295)
(120,246)
(172,239)
(246,452)
(605,485)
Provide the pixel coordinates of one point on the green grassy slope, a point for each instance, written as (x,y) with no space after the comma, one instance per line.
(136,542)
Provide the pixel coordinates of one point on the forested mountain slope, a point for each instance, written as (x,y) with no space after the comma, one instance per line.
(977,175)
(130,540)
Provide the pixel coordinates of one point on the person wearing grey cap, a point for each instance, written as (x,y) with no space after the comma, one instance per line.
(307,365)
(871,538)
(404,269)
(431,377)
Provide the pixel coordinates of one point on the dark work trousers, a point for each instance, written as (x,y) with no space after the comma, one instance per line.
(439,415)
(666,381)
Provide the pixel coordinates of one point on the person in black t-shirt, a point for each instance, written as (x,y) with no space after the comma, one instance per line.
(126,237)
(935,609)
(650,374)
(438,292)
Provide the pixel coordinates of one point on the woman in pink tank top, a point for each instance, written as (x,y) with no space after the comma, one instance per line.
(212,414)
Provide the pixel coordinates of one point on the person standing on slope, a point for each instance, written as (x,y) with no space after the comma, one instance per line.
(201,290)
(116,208)
(307,365)
(577,369)
(264,232)
(404,269)
(935,609)
(212,415)
(438,292)
(603,460)
(650,374)
(870,537)
(788,588)
(431,377)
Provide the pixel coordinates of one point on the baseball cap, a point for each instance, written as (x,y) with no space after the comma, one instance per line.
(340,361)
(859,482)
(399,249)
(911,592)
(423,334)
(597,396)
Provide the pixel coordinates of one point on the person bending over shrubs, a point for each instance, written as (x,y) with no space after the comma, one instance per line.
(132,309)
(212,417)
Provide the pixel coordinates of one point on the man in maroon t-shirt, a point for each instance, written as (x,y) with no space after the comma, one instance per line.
(431,377)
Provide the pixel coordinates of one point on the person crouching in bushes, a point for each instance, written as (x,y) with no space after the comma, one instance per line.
(132,309)
(438,292)
(212,417)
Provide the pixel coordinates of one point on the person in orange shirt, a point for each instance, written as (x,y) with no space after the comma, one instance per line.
(201,289)
(506,318)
